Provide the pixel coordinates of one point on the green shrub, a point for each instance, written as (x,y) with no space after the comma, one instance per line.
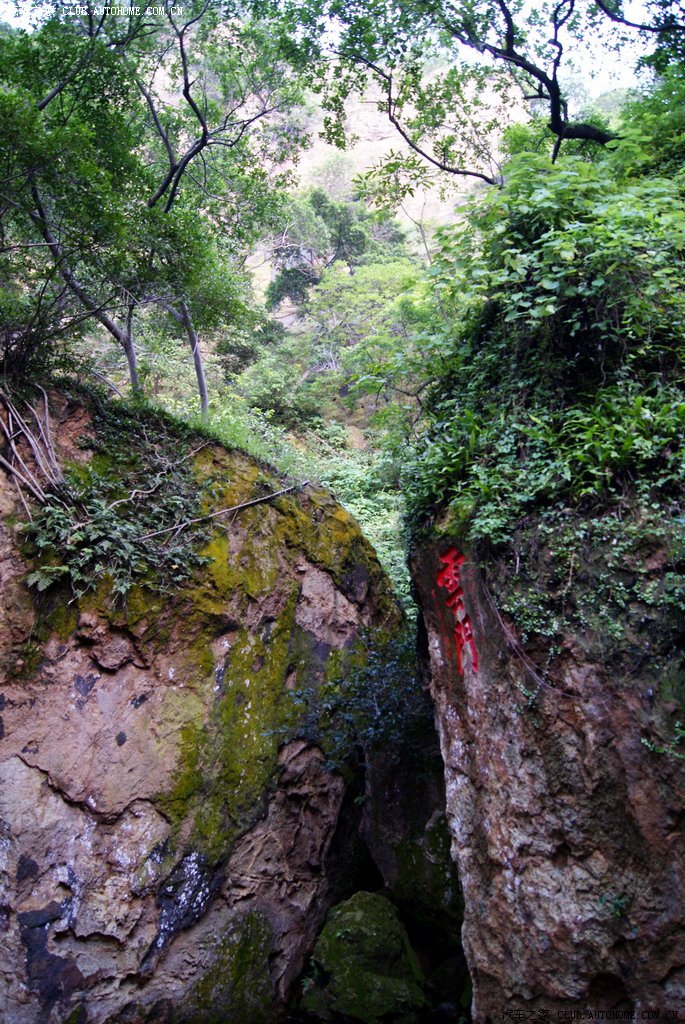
(555,375)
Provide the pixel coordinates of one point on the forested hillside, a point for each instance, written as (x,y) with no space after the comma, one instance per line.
(265,265)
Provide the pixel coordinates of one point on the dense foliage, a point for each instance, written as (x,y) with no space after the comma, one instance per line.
(378,706)
(141,154)
(559,379)
(317,231)
(129,513)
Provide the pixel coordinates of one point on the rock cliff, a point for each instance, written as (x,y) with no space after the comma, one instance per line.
(564,807)
(168,842)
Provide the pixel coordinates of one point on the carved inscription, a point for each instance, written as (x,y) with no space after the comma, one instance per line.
(448,578)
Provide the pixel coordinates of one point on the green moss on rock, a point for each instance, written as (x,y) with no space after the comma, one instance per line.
(227,763)
(188,777)
(77,1016)
(237,988)
(53,615)
(62,619)
(364,966)
(254,569)
(426,879)
(210,610)
(331,539)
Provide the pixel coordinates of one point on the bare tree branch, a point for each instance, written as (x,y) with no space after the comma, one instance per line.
(123,337)
(161,130)
(394,120)
(674,26)
(224,511)
(548,86)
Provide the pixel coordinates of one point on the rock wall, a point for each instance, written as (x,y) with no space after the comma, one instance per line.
(166,852)
(566,827)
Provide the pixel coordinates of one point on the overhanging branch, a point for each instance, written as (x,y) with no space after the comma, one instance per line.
(399,127)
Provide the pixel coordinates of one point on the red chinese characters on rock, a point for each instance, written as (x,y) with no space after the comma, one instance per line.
(448,578)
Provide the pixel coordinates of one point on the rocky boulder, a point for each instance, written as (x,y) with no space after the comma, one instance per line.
(167,838)
(364,967)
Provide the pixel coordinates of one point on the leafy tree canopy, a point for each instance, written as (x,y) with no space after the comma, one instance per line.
(449,75)
(315,232)
(140,156)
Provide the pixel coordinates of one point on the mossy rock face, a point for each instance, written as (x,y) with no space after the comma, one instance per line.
(184,788)
(363,964)
(237,988)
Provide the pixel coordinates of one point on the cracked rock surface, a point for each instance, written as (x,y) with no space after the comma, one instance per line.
(164,852)
(566,828)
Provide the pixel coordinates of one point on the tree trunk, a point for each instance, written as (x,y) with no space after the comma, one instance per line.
(124,338)
(197,358)
(183,317)
(129,349)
